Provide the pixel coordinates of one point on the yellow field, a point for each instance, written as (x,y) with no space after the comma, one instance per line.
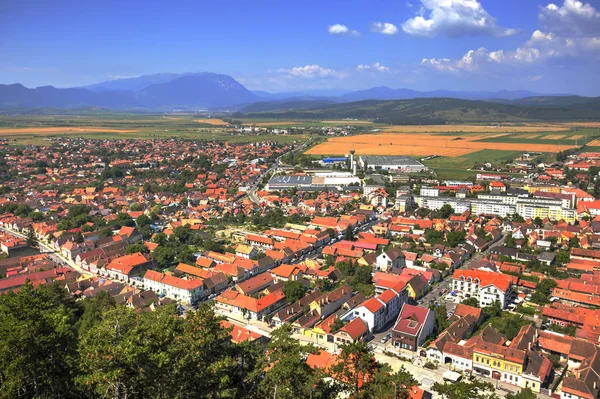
(276,123)
(63,130)
(420,144)
(577,137)
(477,128)
(349,122)
(554,136)
(531,136)
(216,122)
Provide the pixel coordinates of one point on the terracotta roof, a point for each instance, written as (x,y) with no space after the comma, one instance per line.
(356,328)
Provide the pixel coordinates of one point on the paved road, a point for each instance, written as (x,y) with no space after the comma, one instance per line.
(51,252)
(254,187)
(436,295)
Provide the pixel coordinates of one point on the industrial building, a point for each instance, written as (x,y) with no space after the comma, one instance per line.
(319,179)
(392,163)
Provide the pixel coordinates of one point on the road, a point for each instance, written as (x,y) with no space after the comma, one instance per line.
(254,187)
(435,295)
(51,252)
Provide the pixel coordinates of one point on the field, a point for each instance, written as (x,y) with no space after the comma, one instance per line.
(214,122)
(478,128)
(459,147)
(36,129)
(458,168)
(423,144)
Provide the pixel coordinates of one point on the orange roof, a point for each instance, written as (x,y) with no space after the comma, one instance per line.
(173,281)
(498,280)
(125,264)
(356,328)
(373,305)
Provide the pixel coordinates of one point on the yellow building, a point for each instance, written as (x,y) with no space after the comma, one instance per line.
(499,362)
(546,189)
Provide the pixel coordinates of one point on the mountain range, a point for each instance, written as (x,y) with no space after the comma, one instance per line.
(212,91)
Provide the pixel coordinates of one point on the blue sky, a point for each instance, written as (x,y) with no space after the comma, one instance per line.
(550,46)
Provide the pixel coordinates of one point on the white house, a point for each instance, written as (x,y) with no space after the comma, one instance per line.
(487,287)
(380,310)
(184,290)
(392,258)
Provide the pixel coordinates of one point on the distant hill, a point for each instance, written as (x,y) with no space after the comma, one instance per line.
(439,110)
(206,90)
(194,91)
(287,104)
(135,83)
(386,93)
(222,93)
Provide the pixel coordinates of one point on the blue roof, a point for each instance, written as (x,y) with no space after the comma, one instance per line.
(333,159)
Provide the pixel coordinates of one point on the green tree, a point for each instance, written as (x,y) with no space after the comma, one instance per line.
(208,360)
(389,384)
(563,257)
(441,322)
(30,239)
(288,375)
(455,238)
(293,290)
(143,221)
(160,238)
(465,389)
(471,301)
(349,234)
(445,211)
(525,393)
(38,342)
(355,364)
(137,247)
(78,237)
(165,256)
(93,310)
(494,310)
(543,291)
(129,354)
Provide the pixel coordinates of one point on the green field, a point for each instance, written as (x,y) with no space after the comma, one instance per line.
(183,127)
(457,168)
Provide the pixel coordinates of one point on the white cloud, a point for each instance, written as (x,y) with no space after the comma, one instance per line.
(454,18)
(385,28)
(310,71)
(573,18)
(339,29)
(375,67)
(536,78)
(569,34)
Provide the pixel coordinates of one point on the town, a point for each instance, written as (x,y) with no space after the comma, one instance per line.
(495,280)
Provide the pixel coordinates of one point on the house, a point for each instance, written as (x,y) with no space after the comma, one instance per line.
(124,267)
(393,258)
(380,310)
(188,291)
(233,304)
(130,234)
(354,331)
(414,325)
(255,284)
(246,251)
(487,287)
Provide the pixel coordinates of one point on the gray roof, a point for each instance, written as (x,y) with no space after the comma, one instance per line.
(290,180)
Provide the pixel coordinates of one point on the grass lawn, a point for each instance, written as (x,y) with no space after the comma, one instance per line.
(457,168)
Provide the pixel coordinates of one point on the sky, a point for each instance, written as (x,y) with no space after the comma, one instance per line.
(281,46)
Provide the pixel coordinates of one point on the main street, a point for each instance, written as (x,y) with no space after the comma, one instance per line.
(436,294)
(51,252)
